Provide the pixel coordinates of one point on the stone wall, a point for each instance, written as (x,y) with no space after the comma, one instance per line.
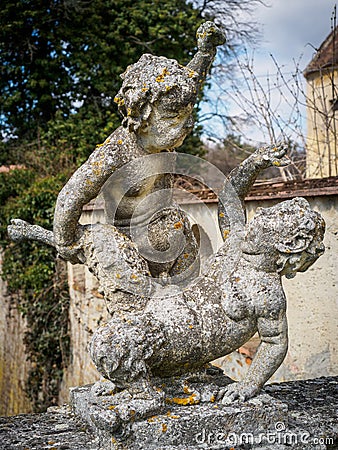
(312,316)
(312,304)
(310,423)
(14,366)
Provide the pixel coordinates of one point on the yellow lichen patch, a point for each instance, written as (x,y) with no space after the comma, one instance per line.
(152,419)
(191,327)
(111,407)
(186,255)
(167,88)
(191,400)
(134,277)
(160,78)
(129,112)
(178,225)
(277,163)
(202,35)
(186,389)
(226,234)
(97,172)
(221,214)
(164,427)
(237,279)
(119,101)
(99,145)
(212,399)
(89,182)
(119,141)
(145,89)
(118,275)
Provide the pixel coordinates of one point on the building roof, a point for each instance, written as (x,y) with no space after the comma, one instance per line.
(326,56)
(271,190)
(267,190)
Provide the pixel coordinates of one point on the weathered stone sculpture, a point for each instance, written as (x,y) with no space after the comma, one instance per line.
(158,329)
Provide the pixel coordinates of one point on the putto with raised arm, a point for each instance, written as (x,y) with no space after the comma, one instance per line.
(160,329)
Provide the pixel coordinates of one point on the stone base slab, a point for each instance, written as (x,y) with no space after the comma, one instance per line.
(178,426)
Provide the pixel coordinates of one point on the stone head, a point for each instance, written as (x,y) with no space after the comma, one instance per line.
(157,97)
(290,233)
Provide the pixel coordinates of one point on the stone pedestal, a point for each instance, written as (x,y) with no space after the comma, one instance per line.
(180,424)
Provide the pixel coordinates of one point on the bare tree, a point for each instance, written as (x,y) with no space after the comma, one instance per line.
(279,105)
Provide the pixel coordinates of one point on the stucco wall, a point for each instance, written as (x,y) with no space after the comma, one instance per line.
(312,305)
(14,366)
(312,315)
(322,125)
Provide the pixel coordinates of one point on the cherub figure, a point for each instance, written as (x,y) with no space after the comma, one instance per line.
(156,101)
(164,331)
(175,331)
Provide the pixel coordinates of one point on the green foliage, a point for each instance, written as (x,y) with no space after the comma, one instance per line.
(36,282)
(60,65)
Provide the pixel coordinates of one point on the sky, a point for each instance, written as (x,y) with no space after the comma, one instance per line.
(291,30)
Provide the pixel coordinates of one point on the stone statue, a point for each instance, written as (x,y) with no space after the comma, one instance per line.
(159,330)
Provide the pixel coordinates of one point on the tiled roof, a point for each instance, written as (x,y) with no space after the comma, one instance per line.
(273,190)
(326,56)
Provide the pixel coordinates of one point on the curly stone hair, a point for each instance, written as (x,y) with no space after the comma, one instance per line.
(295,230)
(149,80)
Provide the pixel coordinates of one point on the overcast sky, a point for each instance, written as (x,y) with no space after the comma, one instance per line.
(290,27)
(291,31)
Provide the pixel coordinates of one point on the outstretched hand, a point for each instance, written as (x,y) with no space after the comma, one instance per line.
(274,155)
(18,230)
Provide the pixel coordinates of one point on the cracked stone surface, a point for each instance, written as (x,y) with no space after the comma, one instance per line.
(312,408)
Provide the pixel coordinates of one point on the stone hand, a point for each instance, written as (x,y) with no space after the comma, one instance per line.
(18,230)
(209,36)
(274,155)
(237,391)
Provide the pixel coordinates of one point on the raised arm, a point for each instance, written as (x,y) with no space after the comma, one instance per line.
(209,36)
(240,181)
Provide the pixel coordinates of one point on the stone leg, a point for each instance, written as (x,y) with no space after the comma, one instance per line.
(120,350)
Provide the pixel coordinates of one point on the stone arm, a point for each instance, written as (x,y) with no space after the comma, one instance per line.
(270,355)
(209,36)
(231,210)
(84,185)
(20,230)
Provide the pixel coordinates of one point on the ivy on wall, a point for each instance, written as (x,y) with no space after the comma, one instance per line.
(36,282)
